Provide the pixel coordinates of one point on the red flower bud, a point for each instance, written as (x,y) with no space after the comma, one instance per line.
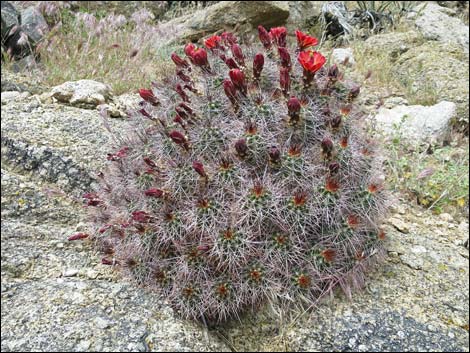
(188,49)
(149,162)
(305,41)
(78,236)
(264,37)
(274,155)
(285,57)
(179,62)
(327,145)
(179,89)
(183,77)
(293,106)
(279,35)
(258,63)
(148,96)
(335,122)
(241,148)
(229,38)
(354,92)
(140,216)
(230,91)
(333,167)
(238,54)
(108,262)
(200,58)
(231,63)
(144,113)
(238,79)
(333,73)
(199,168)
(284,80)
(154,192)
(328,255)
(179,139)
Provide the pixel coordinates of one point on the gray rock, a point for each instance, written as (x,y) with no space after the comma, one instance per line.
(239,15)
(82,93)
(10,18)
(392,44)
(417,123)
(434,22)
(340,55)
(9,96)
(302,14)
(33,24)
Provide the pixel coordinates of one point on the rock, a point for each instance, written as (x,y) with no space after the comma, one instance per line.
(399,225)
(392,44)
(9,96)
(33,24)
(435,23)
(340,55)
(71,272)
(241,16)
(82,93)
(10,18)
(416,122)
(303,14)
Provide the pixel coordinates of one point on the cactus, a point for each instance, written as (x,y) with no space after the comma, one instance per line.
(246,178)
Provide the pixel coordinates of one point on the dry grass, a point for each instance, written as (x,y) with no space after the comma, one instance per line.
(126,55)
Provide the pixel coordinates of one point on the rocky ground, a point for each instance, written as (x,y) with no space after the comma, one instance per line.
(57,296)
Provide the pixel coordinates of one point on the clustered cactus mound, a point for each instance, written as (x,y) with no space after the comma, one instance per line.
(245,178)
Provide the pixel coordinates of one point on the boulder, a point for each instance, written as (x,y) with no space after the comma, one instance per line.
(417,122)
(393,44)
(435,23)
(33,24)
(10,18)
(241,16)
(341,55)
(303,14)
(82,93)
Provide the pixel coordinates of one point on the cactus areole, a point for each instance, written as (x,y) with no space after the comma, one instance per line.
(243,178)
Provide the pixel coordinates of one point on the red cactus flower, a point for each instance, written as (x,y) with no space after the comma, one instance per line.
(344,142)
(238,79)
(258,63)
(305,41)
(264,37)
(285,57)
(78,236)
(199,168)
(200,57)
(213,42)
(279,35)
(179,139)
(229,38)
(140,216)
(241,148)
(232,64)
(311,61)
(154,192)
(148,96)
(331,185)
(179,62)
(230,91)
(352,221)
(284,80)
(328,255)
(238,54)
